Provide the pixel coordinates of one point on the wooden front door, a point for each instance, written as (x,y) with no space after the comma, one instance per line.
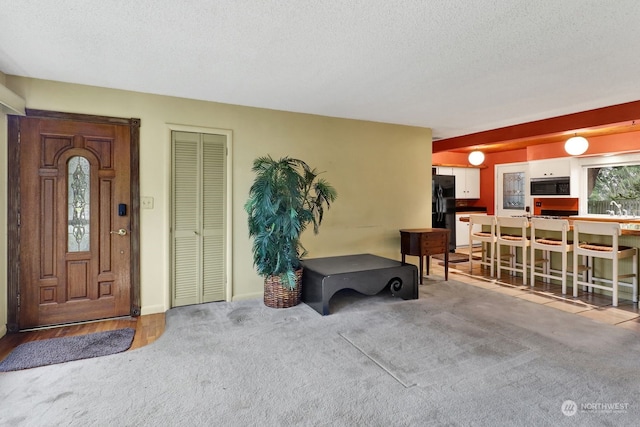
(74,221)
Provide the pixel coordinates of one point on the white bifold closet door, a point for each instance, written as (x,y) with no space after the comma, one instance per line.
(198,217)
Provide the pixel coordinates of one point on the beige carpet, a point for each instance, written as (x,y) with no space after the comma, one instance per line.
(458,355)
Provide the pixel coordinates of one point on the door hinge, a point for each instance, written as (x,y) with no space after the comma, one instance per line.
(18,301)
(18,219)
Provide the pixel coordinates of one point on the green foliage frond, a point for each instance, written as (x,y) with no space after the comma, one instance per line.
(284,198)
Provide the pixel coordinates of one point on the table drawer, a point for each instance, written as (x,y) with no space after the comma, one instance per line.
(434,244)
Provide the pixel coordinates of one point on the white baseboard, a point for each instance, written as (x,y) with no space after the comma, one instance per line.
(252,295)
(152,309)
(3,330)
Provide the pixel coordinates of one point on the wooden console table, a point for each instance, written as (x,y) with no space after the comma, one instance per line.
(424,242)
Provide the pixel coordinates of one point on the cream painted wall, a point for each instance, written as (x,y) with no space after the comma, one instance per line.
(381,173)
(3,223)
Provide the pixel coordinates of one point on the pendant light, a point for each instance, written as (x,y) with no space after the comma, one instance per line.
(576,145)
(476,157)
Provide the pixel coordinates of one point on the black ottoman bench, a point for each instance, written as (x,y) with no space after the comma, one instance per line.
(365,273)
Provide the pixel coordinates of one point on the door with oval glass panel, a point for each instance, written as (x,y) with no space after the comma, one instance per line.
(75,221)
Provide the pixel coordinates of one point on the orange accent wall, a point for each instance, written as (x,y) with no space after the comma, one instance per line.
(450,158)
(561,203)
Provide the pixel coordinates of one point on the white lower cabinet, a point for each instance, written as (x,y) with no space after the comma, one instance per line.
(462,229)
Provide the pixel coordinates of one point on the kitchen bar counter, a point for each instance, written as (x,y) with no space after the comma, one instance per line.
(630,237)
(630,225)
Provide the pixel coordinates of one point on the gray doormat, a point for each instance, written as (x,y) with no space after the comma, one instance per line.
(60,350)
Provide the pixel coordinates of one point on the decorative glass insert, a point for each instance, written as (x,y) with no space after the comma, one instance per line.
(78,177)
(513,190)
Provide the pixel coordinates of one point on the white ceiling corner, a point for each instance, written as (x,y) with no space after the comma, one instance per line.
(11,103)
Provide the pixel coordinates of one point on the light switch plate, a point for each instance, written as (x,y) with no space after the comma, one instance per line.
(146,202)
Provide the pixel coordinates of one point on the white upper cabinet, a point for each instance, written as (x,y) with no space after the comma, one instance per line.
(467,181)
(551,168)
(444,170)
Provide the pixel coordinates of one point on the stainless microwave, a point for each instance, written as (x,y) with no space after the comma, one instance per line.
(551,186)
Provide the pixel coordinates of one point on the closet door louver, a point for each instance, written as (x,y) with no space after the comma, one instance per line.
(198,218)
(213,180)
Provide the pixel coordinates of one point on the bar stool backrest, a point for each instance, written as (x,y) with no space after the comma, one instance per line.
(482,219)
(598,227)
(512,222)
(546,224)
(595,228)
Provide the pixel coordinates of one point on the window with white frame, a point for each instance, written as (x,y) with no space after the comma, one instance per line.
(613,189)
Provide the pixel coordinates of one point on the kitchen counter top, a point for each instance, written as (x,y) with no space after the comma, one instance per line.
(625,219)
(470,212)
(630,225)
(470,209)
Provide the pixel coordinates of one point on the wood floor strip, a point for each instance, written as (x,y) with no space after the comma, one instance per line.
(148,328)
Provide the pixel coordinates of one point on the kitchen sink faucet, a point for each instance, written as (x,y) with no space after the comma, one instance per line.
(617,205)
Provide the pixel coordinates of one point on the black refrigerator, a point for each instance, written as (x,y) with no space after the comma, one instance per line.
(443,205)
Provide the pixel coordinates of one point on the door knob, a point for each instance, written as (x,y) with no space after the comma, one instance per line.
(121,232)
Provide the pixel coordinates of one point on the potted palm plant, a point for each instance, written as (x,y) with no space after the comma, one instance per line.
(285,198)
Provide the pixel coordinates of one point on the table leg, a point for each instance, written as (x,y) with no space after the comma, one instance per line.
(421,267)
(446,265)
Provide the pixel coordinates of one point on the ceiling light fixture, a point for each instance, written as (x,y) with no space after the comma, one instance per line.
(476,157)
(576,145)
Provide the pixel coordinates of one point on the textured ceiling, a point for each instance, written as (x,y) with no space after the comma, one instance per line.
(456,66)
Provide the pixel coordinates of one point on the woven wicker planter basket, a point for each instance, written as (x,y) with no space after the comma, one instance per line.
(278,296)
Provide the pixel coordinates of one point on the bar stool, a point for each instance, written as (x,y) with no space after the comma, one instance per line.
(548,245)
(613,252)
(487,239)
(513,242)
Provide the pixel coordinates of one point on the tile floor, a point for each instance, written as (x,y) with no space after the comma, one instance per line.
(594,306)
